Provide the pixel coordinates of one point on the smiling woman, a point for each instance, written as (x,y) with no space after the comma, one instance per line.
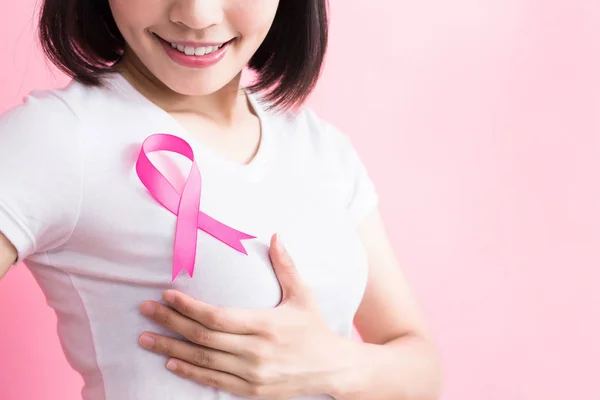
(284,43)
(154,164)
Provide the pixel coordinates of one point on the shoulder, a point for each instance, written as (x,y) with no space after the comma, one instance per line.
(38,109)
(324,137)
(56,117)
(305,127)
(305,121)
(58,108)
(44,126)
(40,123)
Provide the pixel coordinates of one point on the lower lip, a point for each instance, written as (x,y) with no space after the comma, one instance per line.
(204,61)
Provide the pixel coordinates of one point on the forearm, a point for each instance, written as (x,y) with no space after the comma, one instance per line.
(406,368)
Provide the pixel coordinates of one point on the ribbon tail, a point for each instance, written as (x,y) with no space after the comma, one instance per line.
(183,257)
(230,236)
(176,271)
(236,242)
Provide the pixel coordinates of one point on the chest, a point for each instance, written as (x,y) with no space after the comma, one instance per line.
(134,235)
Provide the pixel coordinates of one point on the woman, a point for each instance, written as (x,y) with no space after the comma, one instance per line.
(99,209)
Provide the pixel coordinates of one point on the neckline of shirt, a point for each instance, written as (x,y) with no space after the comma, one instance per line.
(254,170)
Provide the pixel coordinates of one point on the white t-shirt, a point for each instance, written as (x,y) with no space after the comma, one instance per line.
(99,245)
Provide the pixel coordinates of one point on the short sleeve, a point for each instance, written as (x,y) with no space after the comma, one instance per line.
(359,194)
(40,174)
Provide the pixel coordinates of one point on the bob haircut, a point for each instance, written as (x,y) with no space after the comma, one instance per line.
(81,38)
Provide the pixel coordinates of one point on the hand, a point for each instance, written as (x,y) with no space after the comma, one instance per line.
(274,353)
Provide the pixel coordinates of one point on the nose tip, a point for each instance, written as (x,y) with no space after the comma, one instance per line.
(196,14)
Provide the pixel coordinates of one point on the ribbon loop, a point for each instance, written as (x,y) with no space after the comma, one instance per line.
(185,206)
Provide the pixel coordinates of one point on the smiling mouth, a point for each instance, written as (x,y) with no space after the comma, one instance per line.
(191,49)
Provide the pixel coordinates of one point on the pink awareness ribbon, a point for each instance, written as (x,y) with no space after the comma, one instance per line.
(185,205)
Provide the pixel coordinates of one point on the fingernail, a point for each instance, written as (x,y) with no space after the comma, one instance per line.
(147,341)
(279,241)
(172,365)
(148,309)
(169,297)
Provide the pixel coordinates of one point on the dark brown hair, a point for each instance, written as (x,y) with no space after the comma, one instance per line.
(81,38)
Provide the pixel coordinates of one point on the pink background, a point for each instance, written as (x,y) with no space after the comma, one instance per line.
(480,124)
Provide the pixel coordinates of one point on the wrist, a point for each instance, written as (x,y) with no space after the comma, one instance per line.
(349,372)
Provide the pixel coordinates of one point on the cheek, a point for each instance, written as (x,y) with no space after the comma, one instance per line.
(132,16)
(252,18)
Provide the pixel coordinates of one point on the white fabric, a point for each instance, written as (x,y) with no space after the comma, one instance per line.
(99,245)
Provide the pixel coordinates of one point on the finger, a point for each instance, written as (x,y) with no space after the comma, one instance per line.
(216,379)
(291,283)
(222,319)
(193,354)
(193,331)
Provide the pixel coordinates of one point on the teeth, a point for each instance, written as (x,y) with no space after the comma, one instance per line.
(197,51)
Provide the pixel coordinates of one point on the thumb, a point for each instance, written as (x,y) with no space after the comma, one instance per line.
(287,274)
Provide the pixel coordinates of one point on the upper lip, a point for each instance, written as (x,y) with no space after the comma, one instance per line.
(195,44)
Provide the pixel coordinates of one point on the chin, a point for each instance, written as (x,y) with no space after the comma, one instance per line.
(200,85)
